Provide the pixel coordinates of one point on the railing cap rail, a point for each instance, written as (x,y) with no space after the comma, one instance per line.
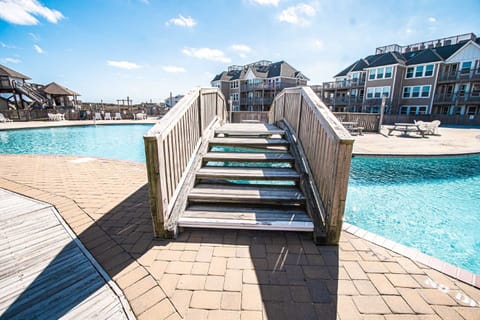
(168,121)
(332,125)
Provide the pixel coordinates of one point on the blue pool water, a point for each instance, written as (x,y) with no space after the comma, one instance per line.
(122,142)
(431,204)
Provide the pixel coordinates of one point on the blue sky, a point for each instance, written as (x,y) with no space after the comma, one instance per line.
(145,49)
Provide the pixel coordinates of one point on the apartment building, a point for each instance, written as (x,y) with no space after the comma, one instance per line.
(437,77)
(252,87)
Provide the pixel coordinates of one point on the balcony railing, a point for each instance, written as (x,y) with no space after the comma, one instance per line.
(343,100)
(257,101)
(473,74)
(265,86)
(346,84)
(459,97)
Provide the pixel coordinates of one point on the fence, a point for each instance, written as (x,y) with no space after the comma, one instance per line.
(327,147)
(171,146)
(241,116)
(463,120)
(369,121)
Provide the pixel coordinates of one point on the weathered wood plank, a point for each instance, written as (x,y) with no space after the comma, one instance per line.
(247,194)
(228,213)
(245,224)
(238,173)
(247,142)
(248,157)
(43,272)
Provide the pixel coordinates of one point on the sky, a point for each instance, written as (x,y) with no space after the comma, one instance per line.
(145,49)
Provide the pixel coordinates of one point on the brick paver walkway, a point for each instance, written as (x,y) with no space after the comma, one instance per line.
(227,274)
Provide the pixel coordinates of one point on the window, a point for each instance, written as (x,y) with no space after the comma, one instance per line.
(429,70)
(466,66)
(420,71)
(388,72)
(370,93)
(476,90)
(410,72)
(425,91)
(378,92)
(413,110)
(354,75)
(416,92)
(380,73)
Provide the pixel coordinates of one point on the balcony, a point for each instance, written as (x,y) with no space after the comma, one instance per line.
(346,84)
(336,101)
(265,86)
(459,76)
(5,83)
(256,101)
(457,98)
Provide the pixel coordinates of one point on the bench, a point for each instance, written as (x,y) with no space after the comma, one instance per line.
(407,128)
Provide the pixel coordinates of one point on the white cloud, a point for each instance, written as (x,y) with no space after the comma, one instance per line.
(7,46)
(298,14)
(123,64)
(432,19)
(23,12)
(173,69)
(241,48)
(11,60)
(318,44)
(182,21)
(38,49)
(266,2)
(206,54)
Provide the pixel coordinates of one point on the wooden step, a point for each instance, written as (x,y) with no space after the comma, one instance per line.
(249,129)
(248,142)
(232,217)
(247,173)
(252,194)
(248,157)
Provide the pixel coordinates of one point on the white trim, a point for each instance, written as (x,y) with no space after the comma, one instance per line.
(414,66)
(462,48)
(420,92)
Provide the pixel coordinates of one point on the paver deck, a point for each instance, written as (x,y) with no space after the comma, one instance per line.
(225,274)
(44,274)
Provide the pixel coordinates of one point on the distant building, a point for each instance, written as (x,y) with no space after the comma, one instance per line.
(433,77)
(172,101)
(252,87)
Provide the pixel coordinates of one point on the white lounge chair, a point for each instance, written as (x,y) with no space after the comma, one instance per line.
(107,116)
(98,116)
(3,119)
(118,116)
(432,127)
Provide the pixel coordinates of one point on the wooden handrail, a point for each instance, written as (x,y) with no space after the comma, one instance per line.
(327,147)
(171,146)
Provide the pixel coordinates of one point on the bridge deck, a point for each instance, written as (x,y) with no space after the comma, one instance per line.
(43,272)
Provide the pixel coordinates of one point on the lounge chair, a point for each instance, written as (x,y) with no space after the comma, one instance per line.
(98,116)
(118,116)
(107,116)
(3,119)
(432,127)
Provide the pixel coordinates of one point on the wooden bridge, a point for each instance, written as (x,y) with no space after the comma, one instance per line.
(290,174)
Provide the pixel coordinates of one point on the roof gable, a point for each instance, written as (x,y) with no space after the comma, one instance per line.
(469,51)
(386,59)
(54,88)
(5,71)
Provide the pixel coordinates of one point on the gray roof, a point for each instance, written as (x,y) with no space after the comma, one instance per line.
(271,70)
(54,88)
(428,55)
(5,71)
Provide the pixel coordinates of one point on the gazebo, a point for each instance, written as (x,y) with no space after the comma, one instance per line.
(59,95)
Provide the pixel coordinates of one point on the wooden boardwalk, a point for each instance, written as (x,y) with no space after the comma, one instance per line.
(44,274)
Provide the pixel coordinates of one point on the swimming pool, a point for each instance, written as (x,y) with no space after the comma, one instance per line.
(122,142)
(431,204)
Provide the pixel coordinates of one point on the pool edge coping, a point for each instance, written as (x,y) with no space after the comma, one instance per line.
(444,267)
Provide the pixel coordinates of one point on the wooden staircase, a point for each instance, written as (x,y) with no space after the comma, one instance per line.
(247,180)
